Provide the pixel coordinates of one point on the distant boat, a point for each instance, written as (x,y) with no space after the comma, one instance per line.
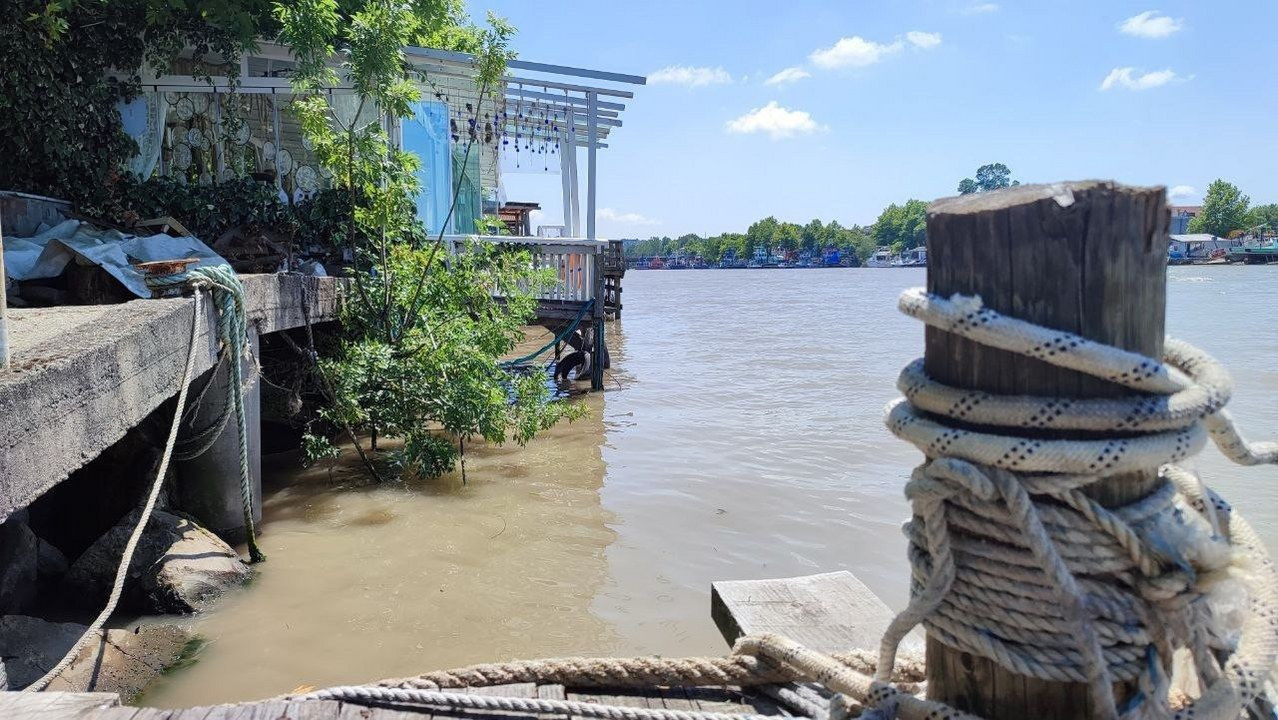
(880,259)
(1255,254)
(914,257)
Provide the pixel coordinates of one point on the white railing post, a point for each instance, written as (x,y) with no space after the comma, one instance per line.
(567,150)
(592,135)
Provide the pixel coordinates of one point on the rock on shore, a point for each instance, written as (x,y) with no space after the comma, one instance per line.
(179,567)
(120,661)
(19,558)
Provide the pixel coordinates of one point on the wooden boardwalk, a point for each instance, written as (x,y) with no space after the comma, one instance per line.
(101,706)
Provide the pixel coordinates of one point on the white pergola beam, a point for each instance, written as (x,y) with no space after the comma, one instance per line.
(562,99)
(565,70)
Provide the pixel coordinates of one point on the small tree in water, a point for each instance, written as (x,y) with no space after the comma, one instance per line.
(423,336)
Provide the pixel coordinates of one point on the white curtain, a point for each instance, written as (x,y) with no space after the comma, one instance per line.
(143,120)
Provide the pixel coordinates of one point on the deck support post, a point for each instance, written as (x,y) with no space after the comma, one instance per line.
(1088,258)
(4,311)
(209,485)
(597,352)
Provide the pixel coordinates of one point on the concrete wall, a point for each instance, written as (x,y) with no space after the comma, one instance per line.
(83,376)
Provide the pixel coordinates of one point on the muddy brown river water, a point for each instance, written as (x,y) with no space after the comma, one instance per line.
(741,437)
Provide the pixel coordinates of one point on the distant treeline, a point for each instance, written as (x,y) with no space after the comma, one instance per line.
(898,226)
(1225,211)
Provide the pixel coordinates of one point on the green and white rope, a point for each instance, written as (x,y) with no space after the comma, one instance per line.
(232,324)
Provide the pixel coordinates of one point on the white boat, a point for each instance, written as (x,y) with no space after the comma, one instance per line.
(881,258)
(914,257)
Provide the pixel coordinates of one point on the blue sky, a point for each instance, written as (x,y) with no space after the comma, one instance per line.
(903,98)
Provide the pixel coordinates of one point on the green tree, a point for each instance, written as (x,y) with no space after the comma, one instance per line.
(788,236)
(1264,218)
(423,340)
(763,233)
(1224,210)
(993,176)
(903,226)
(814,236)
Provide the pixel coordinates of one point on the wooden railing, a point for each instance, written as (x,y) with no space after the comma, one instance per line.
(577,262)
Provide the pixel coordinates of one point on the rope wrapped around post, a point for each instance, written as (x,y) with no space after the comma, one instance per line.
(1041,578)
(232,328)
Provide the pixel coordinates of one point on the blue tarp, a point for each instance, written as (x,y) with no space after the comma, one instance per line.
(46,254)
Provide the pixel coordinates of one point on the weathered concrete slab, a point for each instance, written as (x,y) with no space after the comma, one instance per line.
(830,612)
(82,376)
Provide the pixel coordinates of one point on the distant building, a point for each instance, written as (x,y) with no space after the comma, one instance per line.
(1180,215)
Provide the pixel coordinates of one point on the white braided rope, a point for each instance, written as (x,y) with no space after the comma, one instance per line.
(1010,558)
(131,546)
(365,694)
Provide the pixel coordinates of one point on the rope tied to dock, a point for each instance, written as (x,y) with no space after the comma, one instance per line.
(558,338)
(227,292)
(232,325)
(1013,561)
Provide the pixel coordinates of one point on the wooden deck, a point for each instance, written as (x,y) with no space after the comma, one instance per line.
(831,611)
(100,706)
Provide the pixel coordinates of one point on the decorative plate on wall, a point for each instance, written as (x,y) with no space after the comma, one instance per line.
(306,178)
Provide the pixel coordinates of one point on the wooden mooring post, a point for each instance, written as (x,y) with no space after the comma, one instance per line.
(597,352)
(1085,257)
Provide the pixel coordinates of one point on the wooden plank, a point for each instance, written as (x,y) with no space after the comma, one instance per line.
(1088,258)
(350,711)
(829,612)
(53,705)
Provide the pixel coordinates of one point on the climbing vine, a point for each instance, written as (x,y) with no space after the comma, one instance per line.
(57,103)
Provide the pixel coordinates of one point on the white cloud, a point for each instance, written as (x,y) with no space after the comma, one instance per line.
(980,8)
(788,75)
(690,76)
(925,40)
(856,51)
(1182,192)
(625,218)
(776,121)
(1130,78)
(853,51)
(1150,24)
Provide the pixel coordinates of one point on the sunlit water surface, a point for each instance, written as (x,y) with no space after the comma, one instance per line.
(741,437)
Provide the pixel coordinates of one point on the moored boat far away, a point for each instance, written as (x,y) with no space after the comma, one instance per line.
(881,258)
(914,257)
(1260,252)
